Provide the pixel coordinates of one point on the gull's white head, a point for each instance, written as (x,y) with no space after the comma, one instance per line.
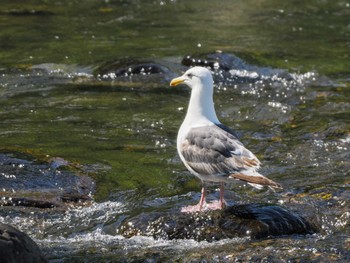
(201,107)
(195,77)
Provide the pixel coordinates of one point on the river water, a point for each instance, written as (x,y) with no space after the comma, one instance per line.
(288,100)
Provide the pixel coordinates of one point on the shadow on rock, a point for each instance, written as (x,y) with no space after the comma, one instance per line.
(251,220)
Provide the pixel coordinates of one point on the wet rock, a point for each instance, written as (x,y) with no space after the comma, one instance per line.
(131,69)
(26,181)
(27,12)
(233,68)
(18,247)
(252,220)
(334,132)
(28,202)
(217,60)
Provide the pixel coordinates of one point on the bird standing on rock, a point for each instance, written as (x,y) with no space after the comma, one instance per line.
(208,149)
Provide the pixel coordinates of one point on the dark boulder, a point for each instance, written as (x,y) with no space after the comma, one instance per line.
(252,220)
(18,247)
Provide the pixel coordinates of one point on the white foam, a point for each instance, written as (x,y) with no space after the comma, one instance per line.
(41,224)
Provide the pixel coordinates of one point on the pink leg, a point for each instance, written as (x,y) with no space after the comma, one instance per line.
(203,198)
(202,205)
(222,201)
(220,204)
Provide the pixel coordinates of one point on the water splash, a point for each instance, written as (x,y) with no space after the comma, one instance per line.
(43,224)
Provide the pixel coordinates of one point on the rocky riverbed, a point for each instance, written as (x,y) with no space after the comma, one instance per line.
(57,196)
(88,125)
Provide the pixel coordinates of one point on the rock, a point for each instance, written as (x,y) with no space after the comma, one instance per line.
(126,74)
(130,69)
(217,60)
(27,181)
(26,12)
(252,220)
(230,68)
(18,247)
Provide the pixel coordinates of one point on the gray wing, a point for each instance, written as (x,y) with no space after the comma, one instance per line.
(212,150)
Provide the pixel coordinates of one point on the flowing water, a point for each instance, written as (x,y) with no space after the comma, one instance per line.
(288,99)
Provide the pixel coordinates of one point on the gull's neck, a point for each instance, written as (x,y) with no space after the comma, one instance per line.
(201,107)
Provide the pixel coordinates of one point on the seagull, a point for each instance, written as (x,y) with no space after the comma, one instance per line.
(209,149)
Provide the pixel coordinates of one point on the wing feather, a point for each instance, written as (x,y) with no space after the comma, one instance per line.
(210,150)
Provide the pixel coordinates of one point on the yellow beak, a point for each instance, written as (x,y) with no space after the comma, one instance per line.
(177,81)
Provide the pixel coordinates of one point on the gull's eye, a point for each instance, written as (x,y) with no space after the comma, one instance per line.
(190,75)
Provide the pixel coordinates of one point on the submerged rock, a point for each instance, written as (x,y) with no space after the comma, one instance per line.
(133,69)
(227,68)
(18,247)
(234,69)
(26,181)
(27,12)
(217,60)
(252,220)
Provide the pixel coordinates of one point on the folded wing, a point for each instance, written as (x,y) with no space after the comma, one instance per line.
(215,150)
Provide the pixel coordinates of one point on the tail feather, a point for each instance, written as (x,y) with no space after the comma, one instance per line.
(257,179)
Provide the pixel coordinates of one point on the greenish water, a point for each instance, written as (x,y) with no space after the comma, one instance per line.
(309,36)
(123,131)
